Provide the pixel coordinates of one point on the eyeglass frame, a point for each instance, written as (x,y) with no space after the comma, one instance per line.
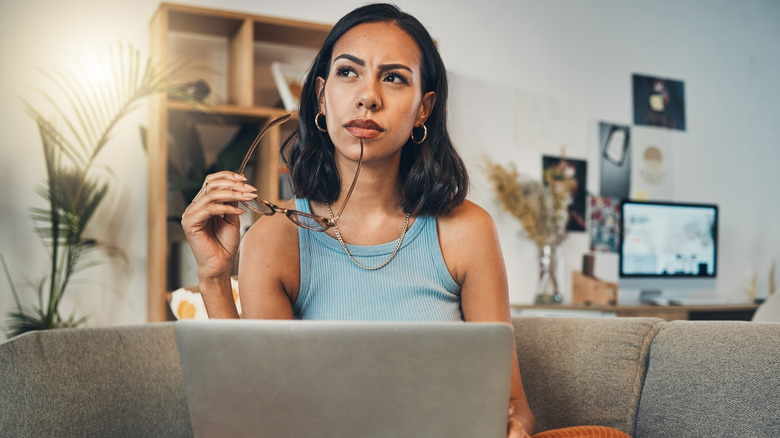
(325,222)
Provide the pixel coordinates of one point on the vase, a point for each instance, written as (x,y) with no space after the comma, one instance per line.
(547,290)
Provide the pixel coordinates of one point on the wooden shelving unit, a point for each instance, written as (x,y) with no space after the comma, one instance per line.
(238,49)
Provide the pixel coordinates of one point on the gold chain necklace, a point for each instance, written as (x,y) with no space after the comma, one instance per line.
(343,245)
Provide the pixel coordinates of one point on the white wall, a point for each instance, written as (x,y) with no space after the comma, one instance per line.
(575,56)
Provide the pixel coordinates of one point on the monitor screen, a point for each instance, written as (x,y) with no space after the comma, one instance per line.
(663,241)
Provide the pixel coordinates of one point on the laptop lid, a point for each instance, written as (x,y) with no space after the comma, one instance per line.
(345,379)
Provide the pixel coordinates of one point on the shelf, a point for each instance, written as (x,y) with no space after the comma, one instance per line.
(233,52)
(225,23)
(738,312)
(246,112)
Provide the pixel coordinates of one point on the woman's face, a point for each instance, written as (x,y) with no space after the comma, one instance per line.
(374,91)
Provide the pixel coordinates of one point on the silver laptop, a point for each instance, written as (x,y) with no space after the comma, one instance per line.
(345,379)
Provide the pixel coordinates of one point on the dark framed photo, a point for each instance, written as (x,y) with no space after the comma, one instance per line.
(615,160)
(577,170)
(659,102)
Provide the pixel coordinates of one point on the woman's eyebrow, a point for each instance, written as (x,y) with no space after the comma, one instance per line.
(383,67)
(386,67)
(352,58)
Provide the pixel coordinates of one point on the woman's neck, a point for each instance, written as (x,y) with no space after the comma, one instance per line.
(376,191)
(377,188)
(372,214)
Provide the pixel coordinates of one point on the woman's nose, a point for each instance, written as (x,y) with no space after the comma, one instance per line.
(369,97)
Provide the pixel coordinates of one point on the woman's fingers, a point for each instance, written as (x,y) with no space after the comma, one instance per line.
(197,217)
(225,174)
(214,205)
(213,177)
(515,429)
(211,222)
(225,190)
(218,198)
(229,195)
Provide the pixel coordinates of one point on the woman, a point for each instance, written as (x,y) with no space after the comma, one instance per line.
(405,244)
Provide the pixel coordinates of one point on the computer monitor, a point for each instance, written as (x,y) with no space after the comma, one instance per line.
(667,246)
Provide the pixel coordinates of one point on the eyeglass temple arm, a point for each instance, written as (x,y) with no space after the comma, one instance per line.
(354,181)
(271,124)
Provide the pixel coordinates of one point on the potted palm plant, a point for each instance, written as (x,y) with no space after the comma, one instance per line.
(86,112)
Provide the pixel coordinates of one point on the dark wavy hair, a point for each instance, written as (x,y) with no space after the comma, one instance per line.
(432,174)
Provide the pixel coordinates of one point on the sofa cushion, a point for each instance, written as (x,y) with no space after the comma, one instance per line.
(709,378)
(110,382)
(584,371)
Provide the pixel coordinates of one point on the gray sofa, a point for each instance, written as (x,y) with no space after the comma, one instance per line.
(645,376)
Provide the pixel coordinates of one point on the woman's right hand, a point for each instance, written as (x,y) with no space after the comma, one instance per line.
(211,223)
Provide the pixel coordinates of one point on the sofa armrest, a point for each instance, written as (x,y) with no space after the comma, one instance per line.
(712,378)
(584,371)
(117,382)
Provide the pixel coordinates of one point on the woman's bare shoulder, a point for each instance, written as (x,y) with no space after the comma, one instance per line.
(467,237)
(467,217)
(270,232)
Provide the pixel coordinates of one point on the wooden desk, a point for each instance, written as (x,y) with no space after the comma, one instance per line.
(733,312)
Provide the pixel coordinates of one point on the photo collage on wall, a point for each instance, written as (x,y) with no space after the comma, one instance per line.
(635,162)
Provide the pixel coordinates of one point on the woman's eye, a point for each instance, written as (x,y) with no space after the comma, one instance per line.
(395,78)
(346,72)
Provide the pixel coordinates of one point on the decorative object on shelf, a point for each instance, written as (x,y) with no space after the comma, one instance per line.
(289,81)
(588,290)
(542,210)
(85,111)
(187,303)
(548,289)
(196,91)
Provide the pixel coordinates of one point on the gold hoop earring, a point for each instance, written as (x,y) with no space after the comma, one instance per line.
(425,135)
(317,122)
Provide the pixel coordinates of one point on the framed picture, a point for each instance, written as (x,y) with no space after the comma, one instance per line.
(651,168)
(289,80)
(577,170)
(659,102)
(614,160)
(604,223)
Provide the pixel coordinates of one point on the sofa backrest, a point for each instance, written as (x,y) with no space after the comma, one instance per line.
(584,371)
(712,379)
(110,382)
(700,378)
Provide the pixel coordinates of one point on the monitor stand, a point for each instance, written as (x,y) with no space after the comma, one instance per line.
(650,296)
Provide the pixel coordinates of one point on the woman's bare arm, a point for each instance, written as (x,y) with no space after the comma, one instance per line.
(211,226)
(472,252)
(269,267)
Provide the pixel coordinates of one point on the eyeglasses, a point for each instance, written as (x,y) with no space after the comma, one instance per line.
(306,220)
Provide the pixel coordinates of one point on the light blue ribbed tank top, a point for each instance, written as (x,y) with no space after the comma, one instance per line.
(414,286)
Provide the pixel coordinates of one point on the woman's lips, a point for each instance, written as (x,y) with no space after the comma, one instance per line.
(364,128)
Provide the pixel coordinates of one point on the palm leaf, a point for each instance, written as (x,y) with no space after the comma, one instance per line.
(86,111)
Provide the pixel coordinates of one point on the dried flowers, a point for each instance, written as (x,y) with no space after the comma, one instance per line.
(540,206)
